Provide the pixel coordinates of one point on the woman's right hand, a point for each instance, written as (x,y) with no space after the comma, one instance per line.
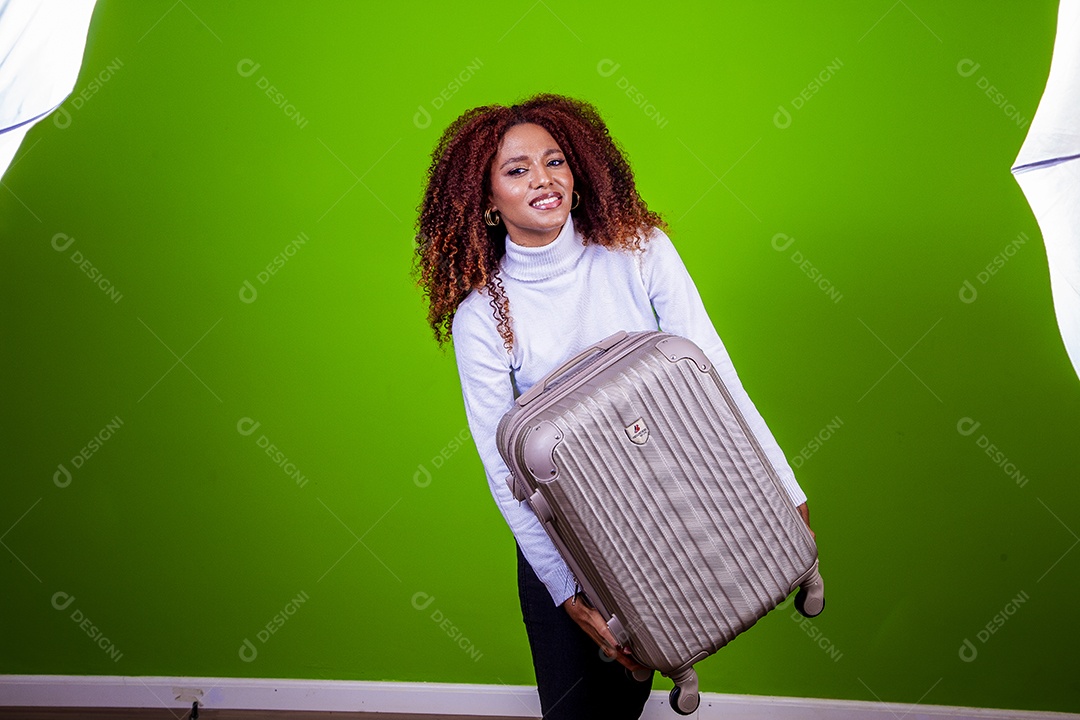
(593,623)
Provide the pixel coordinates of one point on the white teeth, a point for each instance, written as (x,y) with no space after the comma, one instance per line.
(546,202)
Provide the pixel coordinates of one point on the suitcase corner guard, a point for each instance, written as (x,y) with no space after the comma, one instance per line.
(538,451)
(677,348)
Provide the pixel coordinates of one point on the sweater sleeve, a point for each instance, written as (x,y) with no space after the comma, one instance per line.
(679,310)
(485,370)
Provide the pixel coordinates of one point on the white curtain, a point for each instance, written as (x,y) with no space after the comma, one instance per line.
(41,50)
(1048,171)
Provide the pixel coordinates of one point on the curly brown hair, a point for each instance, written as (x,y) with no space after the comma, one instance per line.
(456,252)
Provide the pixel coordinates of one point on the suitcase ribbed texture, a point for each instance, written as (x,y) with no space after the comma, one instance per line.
(688,538)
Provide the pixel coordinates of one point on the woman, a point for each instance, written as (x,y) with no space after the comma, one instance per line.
(533,244)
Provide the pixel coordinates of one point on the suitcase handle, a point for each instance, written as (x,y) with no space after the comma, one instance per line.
(541,385)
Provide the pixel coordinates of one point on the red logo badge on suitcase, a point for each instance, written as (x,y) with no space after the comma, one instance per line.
(637,432)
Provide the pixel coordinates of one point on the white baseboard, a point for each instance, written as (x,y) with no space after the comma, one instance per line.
(445,699)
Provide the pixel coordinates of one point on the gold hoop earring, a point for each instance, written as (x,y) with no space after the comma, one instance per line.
(490,221)
(577,200)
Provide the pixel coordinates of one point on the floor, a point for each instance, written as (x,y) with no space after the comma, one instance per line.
(14,713)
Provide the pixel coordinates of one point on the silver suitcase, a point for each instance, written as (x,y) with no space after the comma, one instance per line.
(649,481)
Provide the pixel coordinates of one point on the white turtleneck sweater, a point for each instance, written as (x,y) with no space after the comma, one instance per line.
(565,296)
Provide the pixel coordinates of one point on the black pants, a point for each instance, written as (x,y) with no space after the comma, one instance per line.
(573,676)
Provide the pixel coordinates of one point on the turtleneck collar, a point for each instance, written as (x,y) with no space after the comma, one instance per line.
(540,263)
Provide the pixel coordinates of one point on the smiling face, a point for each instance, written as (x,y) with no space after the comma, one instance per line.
(531,185)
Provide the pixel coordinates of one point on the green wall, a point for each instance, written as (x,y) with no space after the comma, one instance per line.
(861,132)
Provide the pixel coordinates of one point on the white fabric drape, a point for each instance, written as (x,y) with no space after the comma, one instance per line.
(1048,171)
(41,51)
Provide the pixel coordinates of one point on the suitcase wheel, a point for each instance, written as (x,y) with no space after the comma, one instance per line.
(540,506)
(809,604)
(683,704)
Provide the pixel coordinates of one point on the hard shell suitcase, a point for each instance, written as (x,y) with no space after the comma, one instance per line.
(652,486)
